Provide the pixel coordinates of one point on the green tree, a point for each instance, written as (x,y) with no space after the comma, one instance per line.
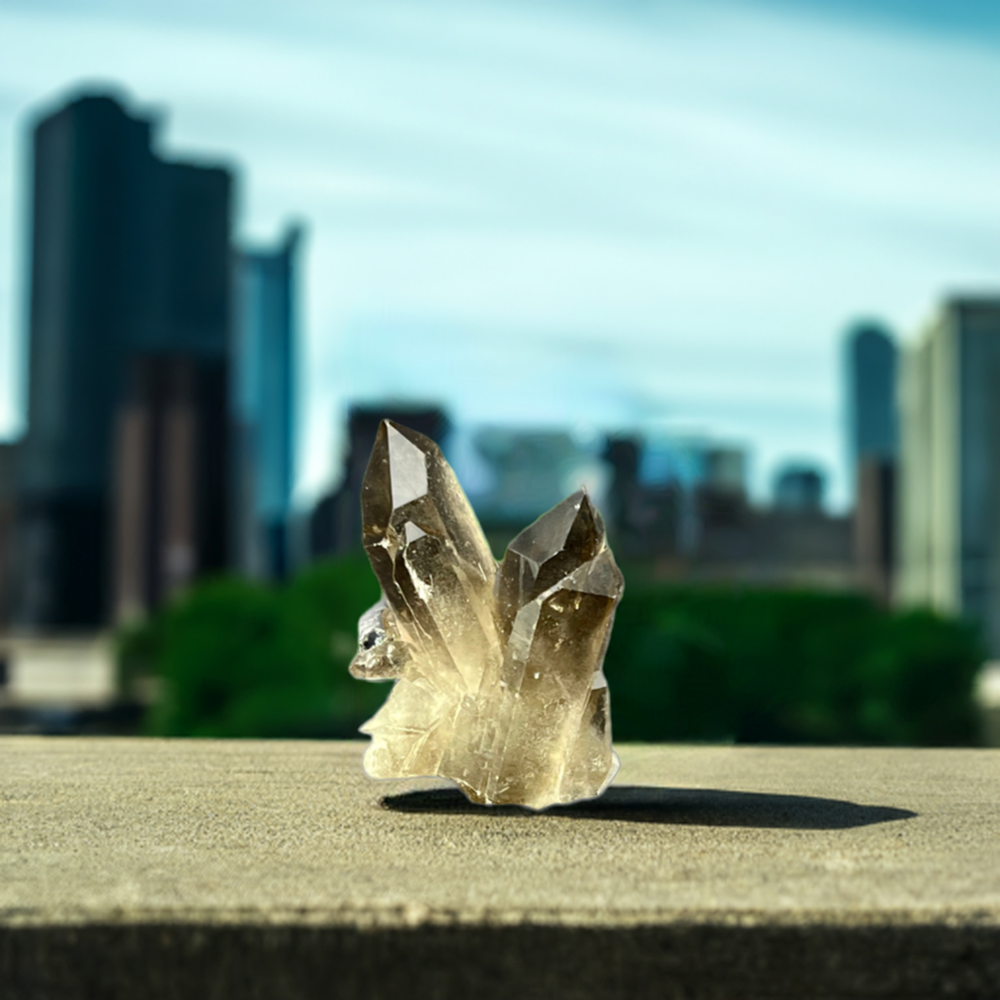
(241,659)
(237,658)
(788,667)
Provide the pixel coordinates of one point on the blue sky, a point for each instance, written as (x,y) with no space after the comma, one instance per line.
(593,214)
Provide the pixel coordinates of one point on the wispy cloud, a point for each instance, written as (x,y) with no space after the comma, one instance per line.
(709,191)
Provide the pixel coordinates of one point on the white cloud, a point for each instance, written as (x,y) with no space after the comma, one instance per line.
(708,193)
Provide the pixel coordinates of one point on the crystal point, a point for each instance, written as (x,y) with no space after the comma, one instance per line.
(498,669)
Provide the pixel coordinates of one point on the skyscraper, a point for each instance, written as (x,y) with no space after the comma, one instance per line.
(171,496)
(871,393)
(9,453)
(949,496)
(264,401)
(130,255)
(872,434)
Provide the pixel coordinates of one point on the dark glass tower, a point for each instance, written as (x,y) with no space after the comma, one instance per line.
(130,256)
(265,398)
(871,393)
(872,428)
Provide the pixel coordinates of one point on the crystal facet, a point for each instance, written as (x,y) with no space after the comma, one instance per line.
(497,669)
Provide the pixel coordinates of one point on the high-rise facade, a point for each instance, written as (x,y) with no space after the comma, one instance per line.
(130,256)
(171,495)
(949,489)
(264,402)
(871,393)
(9,454)
(873,442)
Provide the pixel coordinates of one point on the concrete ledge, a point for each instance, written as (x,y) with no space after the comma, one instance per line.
(555,963)
(135,868)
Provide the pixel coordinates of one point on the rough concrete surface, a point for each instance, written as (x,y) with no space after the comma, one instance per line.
(152,868)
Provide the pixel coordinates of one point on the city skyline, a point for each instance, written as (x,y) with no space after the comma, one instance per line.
(551,199)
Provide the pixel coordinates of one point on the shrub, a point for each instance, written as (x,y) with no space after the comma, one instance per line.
(238,658)
(788,667)
(241,659)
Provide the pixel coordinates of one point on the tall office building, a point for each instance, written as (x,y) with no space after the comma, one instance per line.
(170,515)
(873,442)
(949,496)
(871,393)
(130,255)
(874,525)
(9,453)
(264,400)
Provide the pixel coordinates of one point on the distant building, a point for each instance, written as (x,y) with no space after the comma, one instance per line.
(650,523)
(532,471)
(710,533)
(872,435)
(264,403)
(335,525)
(171,486)
(130,255)
(872,425)
(949,495)
(725,470)
(874,526)
(703,529)
(525,472)
(776,547)
(623,455)
(662,500)
(9,452)
(799,488)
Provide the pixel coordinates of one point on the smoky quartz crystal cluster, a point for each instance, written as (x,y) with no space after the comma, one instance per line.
(497,669)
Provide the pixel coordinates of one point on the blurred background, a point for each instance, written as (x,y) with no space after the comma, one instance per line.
(733,266)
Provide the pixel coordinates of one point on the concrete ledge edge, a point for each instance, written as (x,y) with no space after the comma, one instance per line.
(417,916)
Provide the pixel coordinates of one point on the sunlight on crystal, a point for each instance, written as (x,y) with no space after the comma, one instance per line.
(497,669)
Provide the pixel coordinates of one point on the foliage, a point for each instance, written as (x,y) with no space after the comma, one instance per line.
(242,659)
(788,667)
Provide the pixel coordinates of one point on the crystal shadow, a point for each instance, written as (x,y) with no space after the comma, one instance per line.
(676,806)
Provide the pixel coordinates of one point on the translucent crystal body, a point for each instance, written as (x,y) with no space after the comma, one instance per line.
(497,669)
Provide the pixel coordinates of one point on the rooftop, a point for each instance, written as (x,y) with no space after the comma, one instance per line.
(157,868)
